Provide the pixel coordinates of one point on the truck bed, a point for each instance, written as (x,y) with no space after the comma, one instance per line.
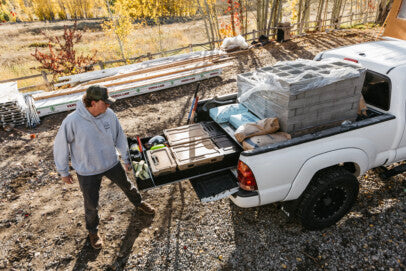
(210,180)
(373,117)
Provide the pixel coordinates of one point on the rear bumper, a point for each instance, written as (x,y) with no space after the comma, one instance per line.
(245,199)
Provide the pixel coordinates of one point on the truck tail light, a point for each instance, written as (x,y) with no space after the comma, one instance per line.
(351,59)
(246,178)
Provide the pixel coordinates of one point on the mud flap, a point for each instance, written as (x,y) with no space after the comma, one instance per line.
(215,186)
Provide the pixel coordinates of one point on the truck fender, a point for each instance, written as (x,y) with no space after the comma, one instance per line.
(324,160)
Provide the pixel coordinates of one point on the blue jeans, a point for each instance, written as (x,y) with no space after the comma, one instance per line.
(90,186)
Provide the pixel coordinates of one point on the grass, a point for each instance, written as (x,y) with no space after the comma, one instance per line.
(17,61)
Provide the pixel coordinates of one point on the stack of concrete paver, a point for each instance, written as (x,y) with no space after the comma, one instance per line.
(12,105)
(303,93)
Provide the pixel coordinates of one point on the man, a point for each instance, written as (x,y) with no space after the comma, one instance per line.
(90,136)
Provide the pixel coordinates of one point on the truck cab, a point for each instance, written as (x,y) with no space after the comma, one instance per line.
(385,83)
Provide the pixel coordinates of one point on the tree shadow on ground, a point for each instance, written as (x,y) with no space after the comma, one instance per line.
(138,222)
(289,50)
(95,25)
(86,254)
(171,213)
(269,230)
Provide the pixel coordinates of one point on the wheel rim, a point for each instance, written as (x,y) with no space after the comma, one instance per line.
(330,203)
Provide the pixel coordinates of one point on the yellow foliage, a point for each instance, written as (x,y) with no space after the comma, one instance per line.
(7,11)
(64,9)
(160,8)
(28,10)
(226,30)
(293,8)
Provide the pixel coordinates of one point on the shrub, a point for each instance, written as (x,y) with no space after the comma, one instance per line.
(62,58)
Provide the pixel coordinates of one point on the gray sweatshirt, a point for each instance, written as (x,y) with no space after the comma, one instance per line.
(90,141)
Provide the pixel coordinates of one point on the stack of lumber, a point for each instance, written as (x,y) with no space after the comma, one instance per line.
(135,79)
(12,105)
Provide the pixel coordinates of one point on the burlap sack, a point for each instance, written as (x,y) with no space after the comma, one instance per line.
(261,127)
(263,140)
(362,107)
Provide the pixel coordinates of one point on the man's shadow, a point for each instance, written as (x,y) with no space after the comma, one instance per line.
(87,254)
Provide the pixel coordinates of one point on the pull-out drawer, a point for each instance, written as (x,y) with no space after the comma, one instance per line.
(220,139)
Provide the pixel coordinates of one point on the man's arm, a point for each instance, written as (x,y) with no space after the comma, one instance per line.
(61,153)
(122,145)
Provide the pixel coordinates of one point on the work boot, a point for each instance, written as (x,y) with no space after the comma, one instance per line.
(95,240)
(146,208)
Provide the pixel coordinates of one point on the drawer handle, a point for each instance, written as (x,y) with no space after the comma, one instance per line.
(155,160)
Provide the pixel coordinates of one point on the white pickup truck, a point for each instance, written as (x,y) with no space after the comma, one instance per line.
(315,174)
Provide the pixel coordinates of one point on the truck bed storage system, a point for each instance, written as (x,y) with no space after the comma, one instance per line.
(202,151)
(302,94)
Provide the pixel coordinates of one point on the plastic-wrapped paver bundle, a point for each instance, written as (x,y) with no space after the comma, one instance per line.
(303,93)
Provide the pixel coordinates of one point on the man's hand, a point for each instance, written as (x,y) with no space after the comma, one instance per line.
(67,179)
(127,167)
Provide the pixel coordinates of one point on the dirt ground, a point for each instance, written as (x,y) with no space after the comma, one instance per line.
(42,220)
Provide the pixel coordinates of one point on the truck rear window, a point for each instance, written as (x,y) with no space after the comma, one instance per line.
(376,90)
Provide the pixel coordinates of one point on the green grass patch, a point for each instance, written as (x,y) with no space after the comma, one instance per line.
(38,44)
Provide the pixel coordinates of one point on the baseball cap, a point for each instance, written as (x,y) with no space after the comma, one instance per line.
(99,93)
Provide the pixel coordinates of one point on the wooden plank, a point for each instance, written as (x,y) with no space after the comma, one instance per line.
(158,67)
(176,77)
(83,89)
(156,75)
(146,70)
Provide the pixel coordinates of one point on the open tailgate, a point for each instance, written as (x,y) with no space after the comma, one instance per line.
(215,186)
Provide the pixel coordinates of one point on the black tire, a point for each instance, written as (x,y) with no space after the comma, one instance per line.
(329,196)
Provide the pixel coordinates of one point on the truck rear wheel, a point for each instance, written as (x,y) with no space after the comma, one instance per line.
(329,196)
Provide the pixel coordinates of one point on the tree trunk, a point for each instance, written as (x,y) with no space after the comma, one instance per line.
(384,8)
(271,17)
(299,17)
(205,23)
(241,15)
(319,12)
(306,15)
(210,24)
(115,30)
(325,15)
